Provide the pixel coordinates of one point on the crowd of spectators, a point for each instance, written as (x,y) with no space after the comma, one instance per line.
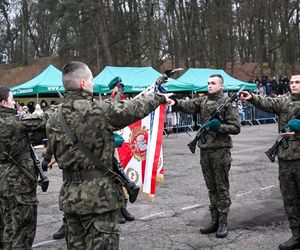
(31,107)
(271,86)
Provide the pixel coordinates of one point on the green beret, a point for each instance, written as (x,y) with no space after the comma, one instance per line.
(114,81)
(118,140)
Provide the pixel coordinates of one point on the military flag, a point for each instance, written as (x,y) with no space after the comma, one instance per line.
(141,153)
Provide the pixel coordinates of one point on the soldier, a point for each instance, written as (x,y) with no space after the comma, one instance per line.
(288,159)
(80,135)
(18,180)
(215,156)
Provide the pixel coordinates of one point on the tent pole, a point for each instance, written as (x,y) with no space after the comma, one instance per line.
(37,98)
(100,96)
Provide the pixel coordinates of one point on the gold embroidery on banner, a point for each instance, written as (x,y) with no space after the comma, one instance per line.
(138,141)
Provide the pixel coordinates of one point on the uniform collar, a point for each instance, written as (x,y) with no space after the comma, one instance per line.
(8,111)
(216,96)
(78,94)
(295,97)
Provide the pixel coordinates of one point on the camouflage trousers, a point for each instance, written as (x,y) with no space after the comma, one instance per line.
(93,231)
(19,224)
(289,179)
(215,165)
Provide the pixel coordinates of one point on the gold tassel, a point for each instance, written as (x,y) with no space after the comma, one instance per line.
(148,197)
(160,180)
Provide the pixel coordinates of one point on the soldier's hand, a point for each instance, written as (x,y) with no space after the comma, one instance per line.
(169,101)
(45,164)
(288,134)
(245,96)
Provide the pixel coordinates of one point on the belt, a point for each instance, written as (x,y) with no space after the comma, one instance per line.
(83,175)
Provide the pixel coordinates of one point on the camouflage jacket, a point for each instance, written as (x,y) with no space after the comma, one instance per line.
(92,123)
(284,107)
(14,140)
(204,106)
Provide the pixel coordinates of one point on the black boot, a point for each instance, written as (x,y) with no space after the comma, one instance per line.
(222,230)
(122,220)
(292,243)
(60,234)
(128,216)
(209,228)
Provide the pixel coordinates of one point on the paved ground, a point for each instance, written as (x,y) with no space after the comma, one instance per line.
(256,221)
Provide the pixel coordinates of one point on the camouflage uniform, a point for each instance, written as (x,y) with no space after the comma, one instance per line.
(215,156)
(289,159)
(91,202)
(18,199)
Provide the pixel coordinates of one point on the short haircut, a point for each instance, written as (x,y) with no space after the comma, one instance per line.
(4,93)
(219,76)
(72,73)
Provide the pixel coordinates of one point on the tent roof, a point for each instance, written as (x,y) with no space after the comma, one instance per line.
(135,79)
(48,81)
(199,76)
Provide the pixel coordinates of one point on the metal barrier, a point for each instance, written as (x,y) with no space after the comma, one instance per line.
(248,115)
(179,120)
(260,115)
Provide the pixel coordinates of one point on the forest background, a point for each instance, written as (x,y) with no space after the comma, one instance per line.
(246,38)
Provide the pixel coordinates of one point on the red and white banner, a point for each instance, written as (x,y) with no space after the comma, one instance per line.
(141,153)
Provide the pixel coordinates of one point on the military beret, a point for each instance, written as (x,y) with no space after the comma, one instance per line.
(114,81)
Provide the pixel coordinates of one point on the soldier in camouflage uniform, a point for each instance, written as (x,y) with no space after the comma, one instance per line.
(89,197)
(18,180)
(288,159)
(215,156)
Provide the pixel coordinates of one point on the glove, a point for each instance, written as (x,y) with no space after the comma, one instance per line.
(212,125)
(45,164)
(293,125)
(118,140)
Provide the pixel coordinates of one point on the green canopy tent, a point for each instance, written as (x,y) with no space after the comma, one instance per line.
(47,82)
(199,77)
(135,80)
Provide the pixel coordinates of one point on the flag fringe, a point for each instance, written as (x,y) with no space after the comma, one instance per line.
(160,179)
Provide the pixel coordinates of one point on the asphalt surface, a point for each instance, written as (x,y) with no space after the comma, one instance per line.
(256,221)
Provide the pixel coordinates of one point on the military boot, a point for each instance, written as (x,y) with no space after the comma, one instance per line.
(60,234)
(292,243)
(128,216)
(212,226)
(122,220)
(222,229)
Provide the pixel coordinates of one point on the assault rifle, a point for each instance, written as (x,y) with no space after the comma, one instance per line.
(131,188)
(272,152)
(202,132)
(43,179)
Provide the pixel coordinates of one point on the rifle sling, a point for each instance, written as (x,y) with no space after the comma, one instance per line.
(86,174)
(15,160)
